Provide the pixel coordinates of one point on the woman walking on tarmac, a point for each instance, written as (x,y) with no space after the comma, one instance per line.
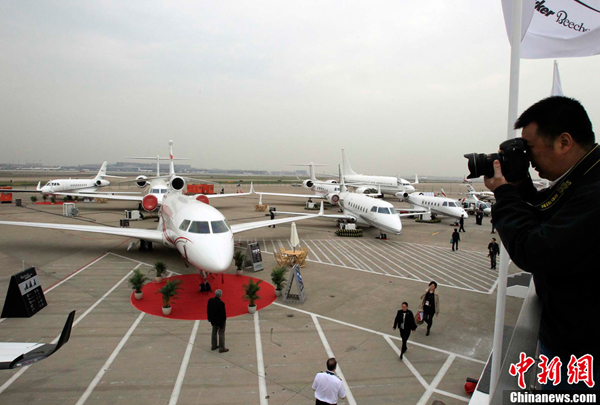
(430,305)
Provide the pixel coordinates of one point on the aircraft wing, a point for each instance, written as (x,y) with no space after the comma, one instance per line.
(108,196)
(335,216)
(261,224)
(13,355)
(319,197)
(211,196)
(145,234)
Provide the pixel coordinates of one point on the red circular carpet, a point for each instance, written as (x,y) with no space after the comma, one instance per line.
(190,303)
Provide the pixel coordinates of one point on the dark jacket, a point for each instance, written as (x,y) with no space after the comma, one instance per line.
(456,236)
(409,322)
(493,248)
(216,312)
(552,238)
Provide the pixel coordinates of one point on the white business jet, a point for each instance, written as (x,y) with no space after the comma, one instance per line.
(428,203)
(187,223)
(365,183)
(158,186)
(482,195)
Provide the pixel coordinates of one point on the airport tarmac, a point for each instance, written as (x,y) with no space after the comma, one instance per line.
(354,287)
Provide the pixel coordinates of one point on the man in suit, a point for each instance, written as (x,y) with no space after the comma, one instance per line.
(461,221)
(455,239)
(217,317)
(405,321)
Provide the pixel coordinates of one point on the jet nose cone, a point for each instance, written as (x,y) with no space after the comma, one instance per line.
(212,257)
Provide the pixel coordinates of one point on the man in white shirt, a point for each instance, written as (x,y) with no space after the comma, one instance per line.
(328,386)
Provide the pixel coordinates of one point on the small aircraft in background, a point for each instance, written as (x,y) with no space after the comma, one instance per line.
(429,203)
(73,186)
(482,195)
(365,183)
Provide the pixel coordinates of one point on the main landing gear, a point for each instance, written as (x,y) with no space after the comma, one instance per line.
(145,245)
(204,284)
(382,236)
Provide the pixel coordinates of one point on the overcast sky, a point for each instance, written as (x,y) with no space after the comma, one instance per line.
(405,86)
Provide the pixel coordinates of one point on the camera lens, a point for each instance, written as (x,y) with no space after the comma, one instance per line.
(476,164)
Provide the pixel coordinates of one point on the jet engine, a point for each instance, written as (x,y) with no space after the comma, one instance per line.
(366,190)
(333,198)
(177,183)
(140,181)
(102,183)
(308,183)
(150,202)
(332,182)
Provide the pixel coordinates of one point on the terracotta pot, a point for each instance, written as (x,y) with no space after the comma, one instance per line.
(251,309)
(166,311)
(138,295)
(158,279)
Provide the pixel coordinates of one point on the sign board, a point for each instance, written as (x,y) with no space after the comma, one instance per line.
(254,257)
(300,295)
(25,296)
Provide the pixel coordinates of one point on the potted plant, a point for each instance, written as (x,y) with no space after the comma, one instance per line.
(136,281)
(238,259)
(278,278)
(33,199)
(160,268)
(44,197)
(251,289)
(53,199)
(169,292)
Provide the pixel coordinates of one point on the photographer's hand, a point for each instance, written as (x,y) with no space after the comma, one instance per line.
(498,180)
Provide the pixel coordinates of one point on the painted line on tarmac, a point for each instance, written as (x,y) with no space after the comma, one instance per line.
(349,395)
(352,258)
(79,319)
(323,253)
(70,276)
(312,251)
(110,360)
(436,380)
(379,333)
(408,364)
(260,363)
(184,365)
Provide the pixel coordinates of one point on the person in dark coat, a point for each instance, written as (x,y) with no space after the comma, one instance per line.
(494,250)
(461,221)
(217,316)
(547,232)
(272,217)
(405,321)
(455,239)
(430,304)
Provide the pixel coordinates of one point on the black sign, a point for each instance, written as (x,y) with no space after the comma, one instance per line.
(254,256)
(25,296)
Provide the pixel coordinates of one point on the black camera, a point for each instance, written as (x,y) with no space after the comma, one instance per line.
(513,157)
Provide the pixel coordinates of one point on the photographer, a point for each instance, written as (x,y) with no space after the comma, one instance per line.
(548,233)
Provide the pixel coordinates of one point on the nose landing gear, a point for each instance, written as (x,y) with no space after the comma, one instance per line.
(204,284)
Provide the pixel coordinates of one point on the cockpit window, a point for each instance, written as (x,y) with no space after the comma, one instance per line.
(163,191)
(199,227)
(393,211)
(451,204)
(184,225)
(219,226)
(383,210)
(374,209)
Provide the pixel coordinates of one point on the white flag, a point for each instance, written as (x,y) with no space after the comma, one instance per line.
(556,86)
(559,28)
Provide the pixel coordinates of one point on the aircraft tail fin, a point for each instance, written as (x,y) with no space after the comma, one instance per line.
(171,163)
(102,171)
(313,177)
(39,186)
(346,165)
(416,179)
(444,193)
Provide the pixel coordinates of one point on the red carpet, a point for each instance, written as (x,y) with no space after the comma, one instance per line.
(190,303)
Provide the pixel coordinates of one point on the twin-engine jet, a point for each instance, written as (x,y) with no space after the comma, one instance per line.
(364,183)
(187,223)
(74,186)
(438,205)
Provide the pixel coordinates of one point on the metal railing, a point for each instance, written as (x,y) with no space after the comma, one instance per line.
(524,339)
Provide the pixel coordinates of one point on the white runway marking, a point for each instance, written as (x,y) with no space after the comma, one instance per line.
(408,363)
(461,270)
(436,380)
(110,360)
(349,395)
(260,364)
(184,365)
(75,273)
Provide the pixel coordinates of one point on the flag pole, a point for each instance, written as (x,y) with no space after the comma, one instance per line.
(513,103)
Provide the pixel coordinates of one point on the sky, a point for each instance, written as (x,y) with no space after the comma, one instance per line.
(405,87)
